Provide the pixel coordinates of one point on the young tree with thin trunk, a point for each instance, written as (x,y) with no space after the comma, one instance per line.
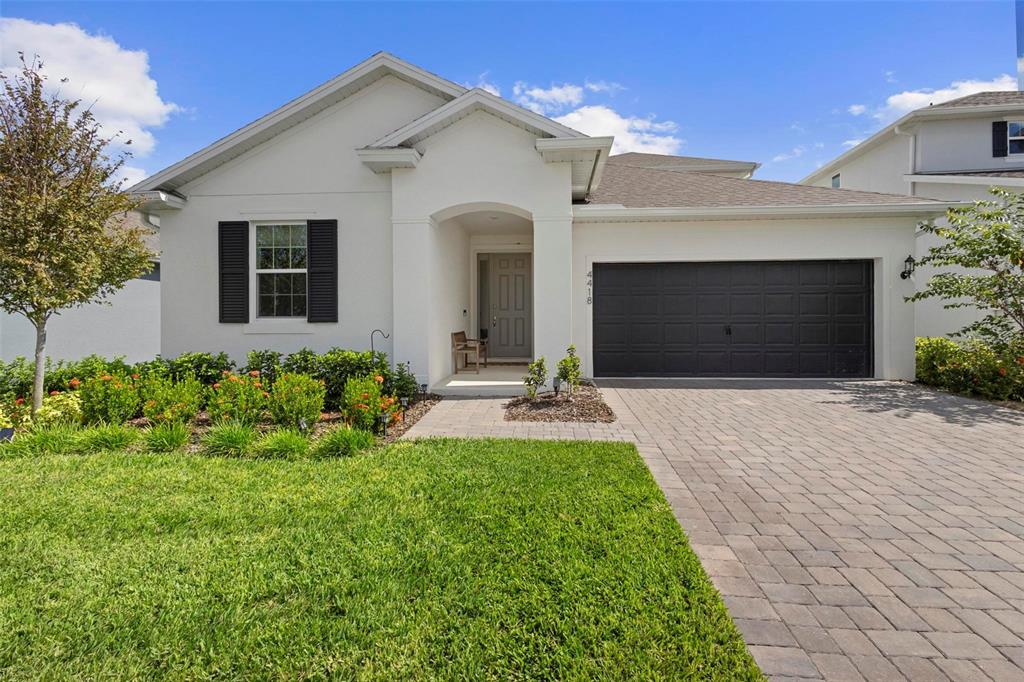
(63,242)
(983,245)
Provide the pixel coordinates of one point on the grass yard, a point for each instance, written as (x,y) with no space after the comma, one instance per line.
(445,559)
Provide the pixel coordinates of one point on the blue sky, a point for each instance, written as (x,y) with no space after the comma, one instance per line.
(786,84)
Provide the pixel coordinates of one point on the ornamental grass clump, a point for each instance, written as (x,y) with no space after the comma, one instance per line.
(106,438)
(296,401)
(343,441)
(238,398)
(166,437)
(109,399)
(230,439)
(283,444)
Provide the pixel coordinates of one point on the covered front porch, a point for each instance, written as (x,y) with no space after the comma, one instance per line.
(495,380)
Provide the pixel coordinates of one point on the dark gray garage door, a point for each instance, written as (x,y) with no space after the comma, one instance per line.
(734,319)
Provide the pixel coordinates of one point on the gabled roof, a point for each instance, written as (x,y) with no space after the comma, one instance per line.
(634,187)
(993,103)
(294,112)
(469,102)
(683,163)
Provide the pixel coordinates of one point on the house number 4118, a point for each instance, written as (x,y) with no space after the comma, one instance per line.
(590,287)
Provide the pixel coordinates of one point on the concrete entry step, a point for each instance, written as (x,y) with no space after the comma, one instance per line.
(500,381)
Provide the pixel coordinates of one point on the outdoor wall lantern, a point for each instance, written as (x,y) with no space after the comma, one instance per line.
(908,267)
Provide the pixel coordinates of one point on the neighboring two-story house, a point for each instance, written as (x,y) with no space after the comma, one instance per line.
(956,151)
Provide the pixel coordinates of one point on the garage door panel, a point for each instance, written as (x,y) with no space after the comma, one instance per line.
(713,304)
(787,319)
(746,304)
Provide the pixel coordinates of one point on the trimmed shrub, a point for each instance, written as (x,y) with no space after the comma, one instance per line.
(972,368)
(342,442)
(238,398)
(303,361)
(404,385)
(166,437)
(282,444)
(266,362)
(16,376)
(338,366)
(569,369)
(59,408)
(109,398)
(110,437)
(296,401)
(206,367)
(164,400)
(536,377)
(229,440)
(364,403)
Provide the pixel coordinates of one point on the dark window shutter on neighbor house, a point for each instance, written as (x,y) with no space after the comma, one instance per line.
(322,271)
(233,258)
(998,138)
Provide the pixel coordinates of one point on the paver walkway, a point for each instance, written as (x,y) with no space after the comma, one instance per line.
(857,530)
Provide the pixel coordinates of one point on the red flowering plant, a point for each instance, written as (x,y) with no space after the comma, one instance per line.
(240,398)
(15,413)
(109,399)
(364,404)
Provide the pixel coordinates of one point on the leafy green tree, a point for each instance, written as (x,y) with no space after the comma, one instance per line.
(63,242)
(569,370)
(984,245)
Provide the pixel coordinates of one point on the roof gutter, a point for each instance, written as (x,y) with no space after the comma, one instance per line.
(616,213)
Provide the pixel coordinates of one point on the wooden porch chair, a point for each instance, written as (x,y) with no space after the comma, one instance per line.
(465,347)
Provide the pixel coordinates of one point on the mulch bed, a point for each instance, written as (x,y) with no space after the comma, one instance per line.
(419,406)
(586,405)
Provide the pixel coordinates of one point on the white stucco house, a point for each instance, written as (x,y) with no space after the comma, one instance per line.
(953,151)
(126,324)
(390,198)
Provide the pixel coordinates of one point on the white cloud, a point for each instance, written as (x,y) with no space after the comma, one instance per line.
(130,175)
(611,88)
(113,81)
(484,84)
(857,109)
(904,102)
(794,153)
(852,143)
(890,77)
(632,133)
(547,100)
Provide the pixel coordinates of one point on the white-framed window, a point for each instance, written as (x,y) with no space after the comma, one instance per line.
(835,181)
(1015,137)
(280,269)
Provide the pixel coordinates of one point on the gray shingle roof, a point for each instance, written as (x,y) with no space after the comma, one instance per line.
(635,187)
(670,162)
(997,173)
(991,98)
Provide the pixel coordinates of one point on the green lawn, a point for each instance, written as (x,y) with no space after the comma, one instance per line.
(445,559)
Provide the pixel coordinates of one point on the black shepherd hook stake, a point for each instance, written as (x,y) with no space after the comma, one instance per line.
(374,333)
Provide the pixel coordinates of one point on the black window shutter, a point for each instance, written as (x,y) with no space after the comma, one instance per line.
(998,138)
(233,259)
(322,271)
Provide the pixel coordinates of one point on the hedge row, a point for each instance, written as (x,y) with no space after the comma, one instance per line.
(972,368)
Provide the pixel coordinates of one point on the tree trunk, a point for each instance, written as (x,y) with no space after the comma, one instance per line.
(37,384)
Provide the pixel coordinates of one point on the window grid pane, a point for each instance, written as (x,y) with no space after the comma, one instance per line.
(281,247)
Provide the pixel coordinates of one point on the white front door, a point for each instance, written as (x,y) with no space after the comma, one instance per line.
(511,306)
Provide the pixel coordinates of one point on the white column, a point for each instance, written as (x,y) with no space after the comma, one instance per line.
(552,288)
(411,268)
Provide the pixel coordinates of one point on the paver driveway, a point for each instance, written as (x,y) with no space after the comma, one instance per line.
(856,530)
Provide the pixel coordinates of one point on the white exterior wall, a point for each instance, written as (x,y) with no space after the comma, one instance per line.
(480,162)
(886,241)
(129,326)
(879,170)
(310,171)
(961,144)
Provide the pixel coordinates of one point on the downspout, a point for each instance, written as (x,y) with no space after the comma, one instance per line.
(912,160)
